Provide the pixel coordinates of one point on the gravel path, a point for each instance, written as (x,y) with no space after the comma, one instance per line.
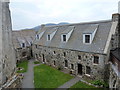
(70,83)
(28,80)
(29,76)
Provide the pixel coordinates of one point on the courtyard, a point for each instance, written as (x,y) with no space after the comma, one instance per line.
(48,77)
(37,75)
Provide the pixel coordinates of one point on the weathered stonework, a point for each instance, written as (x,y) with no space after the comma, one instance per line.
(114,79)
(14,82)
(56,56)
(7,53)
(19,38)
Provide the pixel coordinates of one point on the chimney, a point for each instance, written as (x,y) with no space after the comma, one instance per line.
(116,17)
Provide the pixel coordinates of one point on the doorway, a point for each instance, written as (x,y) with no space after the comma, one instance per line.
(79,69)
(43,57)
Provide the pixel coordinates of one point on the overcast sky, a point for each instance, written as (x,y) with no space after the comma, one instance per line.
(30,13)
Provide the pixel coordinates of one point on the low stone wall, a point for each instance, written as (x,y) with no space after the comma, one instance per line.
(14,82)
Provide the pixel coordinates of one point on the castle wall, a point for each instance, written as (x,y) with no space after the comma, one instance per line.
(23,53)
(7,55)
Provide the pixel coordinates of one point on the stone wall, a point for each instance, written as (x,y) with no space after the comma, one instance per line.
(7,54)
(56,57)
(23,53)
(114,79)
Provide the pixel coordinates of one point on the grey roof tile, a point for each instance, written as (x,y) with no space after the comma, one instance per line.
(75,42)
(23,36)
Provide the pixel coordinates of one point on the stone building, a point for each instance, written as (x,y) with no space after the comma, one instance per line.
(81,49)
(7,54)
(22,41)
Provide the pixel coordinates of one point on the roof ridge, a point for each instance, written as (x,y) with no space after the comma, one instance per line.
(90,22)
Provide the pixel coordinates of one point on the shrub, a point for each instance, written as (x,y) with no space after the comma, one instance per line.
(100,83)
(97,82)
(36,62)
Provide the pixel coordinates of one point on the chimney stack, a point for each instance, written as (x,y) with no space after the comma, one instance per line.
(115,17)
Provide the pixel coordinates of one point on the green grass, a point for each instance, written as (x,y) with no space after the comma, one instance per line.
(24,65)
(48,77)
(36,62)
(82,85)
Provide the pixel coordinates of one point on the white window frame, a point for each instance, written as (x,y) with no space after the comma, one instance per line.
(37,36)
(62,37)
(22,45)
(85,38)
(49,37)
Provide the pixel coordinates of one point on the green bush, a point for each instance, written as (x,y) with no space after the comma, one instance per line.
(100,83)
(36,62)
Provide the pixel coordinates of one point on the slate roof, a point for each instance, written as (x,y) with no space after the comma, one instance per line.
(116,53)
(23,36)
(75,41)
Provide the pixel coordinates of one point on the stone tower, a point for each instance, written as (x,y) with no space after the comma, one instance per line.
(7,55)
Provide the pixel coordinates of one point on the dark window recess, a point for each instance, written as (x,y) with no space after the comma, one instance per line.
(87,38)
(54,62)
(72,66)
(64,37)
(24,54)
(37,36)
(48,37)
(23,44)
(54,52)
(64,54)
(79,57)
(66,63)
(36,46)
(96,59)
(88,70)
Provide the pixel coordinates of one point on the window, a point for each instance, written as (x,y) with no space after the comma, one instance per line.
(36,46)
(72,66)
(96,60)
(54,62)
(37,36)
(64,54)
(54,52)
(79,57)
(30,43)
(88,70)
(48,37)
(23,45)
(87,38)
(64,38)
(66,63)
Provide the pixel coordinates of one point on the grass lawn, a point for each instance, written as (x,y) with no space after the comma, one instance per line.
(48,77)
(36,62)
(24,65)
(82,85)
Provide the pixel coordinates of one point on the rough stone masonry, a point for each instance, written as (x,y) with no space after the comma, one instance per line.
(7,55)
